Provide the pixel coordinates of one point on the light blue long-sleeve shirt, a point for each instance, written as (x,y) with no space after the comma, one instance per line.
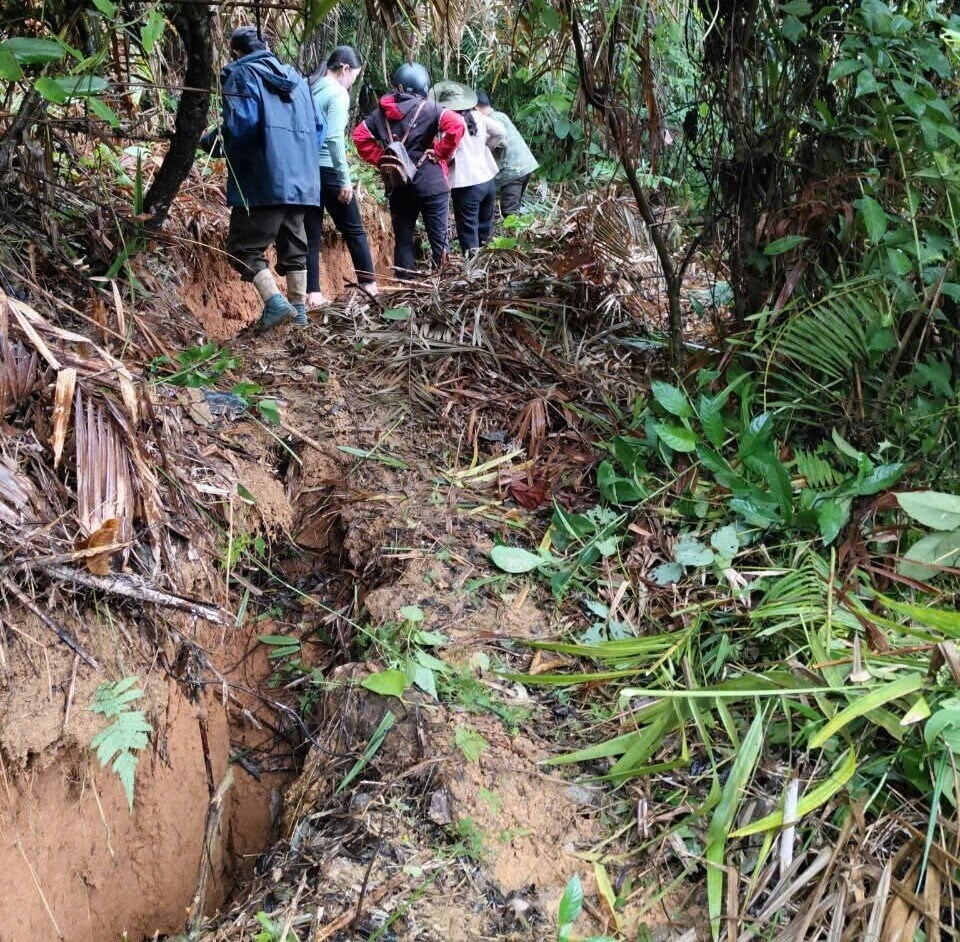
(333,101)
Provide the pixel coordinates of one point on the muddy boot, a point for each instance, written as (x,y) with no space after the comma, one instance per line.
(276,308)
(297,296)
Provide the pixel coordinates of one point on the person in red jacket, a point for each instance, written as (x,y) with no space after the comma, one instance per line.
(431,135)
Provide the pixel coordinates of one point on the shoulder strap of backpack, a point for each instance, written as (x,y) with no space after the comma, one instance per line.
(413,121)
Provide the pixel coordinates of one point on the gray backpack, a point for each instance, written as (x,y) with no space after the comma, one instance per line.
(396,168)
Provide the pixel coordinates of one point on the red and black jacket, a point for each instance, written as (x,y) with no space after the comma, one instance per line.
(435,129)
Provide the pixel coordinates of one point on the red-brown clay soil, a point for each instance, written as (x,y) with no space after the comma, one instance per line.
(222,304)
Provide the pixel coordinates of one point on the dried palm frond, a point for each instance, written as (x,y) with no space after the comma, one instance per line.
(104,486)
(17,493)
(62,406)
(19,367)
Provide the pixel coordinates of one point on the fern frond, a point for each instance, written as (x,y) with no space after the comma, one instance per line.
(818,472)
(128,733)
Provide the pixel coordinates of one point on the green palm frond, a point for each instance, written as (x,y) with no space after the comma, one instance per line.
(820,355)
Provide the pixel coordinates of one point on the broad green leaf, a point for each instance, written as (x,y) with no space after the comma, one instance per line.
(666,573)
(514,559)
(672,399)
(832,516)
(786,244)
(919,711)
(48,89)
(924,559)
(690,551)
(64,87)
(843,68)
(571,903)
(864,703)
(676,437)
(866,83)
(103,111)
(422,676)
(944,723)
(152,30)
(711,418)
(932,508)
(874,218)
(812,800)
(725,541)
(792,28)
(411,613)
(734,790)
(29,51)
(396,314)
(390,683)
(106,7)
(607,546)
(879,479)
(10,70)
(754,513)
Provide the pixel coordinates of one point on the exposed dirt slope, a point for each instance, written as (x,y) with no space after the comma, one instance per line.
(75,863)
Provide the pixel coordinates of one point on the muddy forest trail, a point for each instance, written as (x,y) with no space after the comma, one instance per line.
(333,525)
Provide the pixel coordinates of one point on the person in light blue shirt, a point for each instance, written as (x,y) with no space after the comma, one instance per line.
(515,159)
(330,85)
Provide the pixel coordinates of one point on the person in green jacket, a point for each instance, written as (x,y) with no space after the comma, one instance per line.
(330,86)
(516,161)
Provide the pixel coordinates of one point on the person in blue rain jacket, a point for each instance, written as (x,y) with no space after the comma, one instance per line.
(270,137)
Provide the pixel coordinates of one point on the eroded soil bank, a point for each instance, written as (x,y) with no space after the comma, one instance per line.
(75,862)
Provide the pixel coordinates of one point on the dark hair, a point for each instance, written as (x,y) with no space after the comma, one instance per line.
(245,39)
(483,100)
(470,121)
(341,56)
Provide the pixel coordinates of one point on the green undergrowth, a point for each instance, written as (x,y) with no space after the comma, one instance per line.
(756,589)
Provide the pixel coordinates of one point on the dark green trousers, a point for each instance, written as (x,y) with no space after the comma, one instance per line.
(253,230)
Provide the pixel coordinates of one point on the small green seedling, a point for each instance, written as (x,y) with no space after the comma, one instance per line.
(571,905)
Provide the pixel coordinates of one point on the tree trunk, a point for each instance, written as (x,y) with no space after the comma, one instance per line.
(192,22)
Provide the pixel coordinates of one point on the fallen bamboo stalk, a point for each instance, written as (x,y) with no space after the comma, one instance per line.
(135,588)
(210,830)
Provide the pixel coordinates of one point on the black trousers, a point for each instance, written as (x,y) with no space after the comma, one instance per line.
(473,207)
(511,195)
(346,217)
(405,207)
(253,229)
